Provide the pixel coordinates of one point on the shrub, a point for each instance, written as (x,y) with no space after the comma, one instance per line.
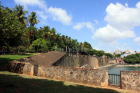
(26,50)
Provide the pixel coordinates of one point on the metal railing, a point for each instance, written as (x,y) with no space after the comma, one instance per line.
(114,79)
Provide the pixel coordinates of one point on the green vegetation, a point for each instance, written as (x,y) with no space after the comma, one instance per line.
(133,58)
(19,34)
(109,55)
(18,83)
(4,59)
(118,55)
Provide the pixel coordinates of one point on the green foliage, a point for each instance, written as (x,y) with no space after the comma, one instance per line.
(100,53)
(26,50)
(118,55)
(108,55)
(13,32)
(133,58)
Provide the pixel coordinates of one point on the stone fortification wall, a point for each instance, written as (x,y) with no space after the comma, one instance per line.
(130,80)
(77,75)
(113,61)
(81,60)
(20,67)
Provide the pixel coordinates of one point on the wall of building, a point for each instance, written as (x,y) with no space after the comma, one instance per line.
(130,80)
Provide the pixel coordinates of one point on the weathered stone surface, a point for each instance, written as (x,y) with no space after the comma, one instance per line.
(16,67)
(78,75)
(130,80)
(20,67)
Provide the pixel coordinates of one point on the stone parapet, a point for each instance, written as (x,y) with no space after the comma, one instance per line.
(130,80)
(78,75)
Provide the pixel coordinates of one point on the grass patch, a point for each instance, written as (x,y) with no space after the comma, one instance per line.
(18,83)
(4,59)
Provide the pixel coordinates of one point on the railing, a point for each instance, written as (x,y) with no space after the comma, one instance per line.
(113,79)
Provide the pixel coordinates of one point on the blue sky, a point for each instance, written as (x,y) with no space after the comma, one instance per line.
(107,25)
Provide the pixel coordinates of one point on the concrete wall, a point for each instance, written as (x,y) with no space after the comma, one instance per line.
(130,80)
(77,75)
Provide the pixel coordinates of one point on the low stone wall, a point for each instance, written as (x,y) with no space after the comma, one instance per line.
(20,67)
(130,80)
(97,77)
(77,75)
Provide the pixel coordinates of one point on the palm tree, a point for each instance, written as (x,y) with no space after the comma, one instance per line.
(20,14)
(32,19)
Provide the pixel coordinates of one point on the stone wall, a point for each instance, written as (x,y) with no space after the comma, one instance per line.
(97,77)
(130,80)
(81,60)
(77,75)
(20,67)
(113,61)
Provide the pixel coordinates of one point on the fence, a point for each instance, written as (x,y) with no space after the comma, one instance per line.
(114,79)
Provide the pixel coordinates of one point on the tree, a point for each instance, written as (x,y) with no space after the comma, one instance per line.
(13,32)
(32,19)
(108,55)
(20,14)
(118,55)
(100,53)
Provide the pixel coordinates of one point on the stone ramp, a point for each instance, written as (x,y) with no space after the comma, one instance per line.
(47,58)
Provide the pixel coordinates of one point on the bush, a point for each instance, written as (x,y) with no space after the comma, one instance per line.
(26,50)
(31,51)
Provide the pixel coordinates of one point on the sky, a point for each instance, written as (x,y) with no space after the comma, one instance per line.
(108,25)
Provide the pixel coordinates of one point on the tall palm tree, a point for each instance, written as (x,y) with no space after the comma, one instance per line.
(21,14)
(32,19)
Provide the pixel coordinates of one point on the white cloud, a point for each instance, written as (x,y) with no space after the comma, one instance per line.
(41,14)
(109,34)
(96,21)
(123,17)
(96,48)
(121,21)
(60,15)
(89,25)
(40,3)
(125,44)
(137,40)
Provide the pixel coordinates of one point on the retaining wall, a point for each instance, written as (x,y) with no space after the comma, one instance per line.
(81,60)
(130,80)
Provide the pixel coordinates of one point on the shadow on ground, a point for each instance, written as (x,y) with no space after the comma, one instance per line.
(4,61)
(16,84)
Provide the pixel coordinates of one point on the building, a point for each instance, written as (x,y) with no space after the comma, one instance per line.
(137,52)
(128,51)
(118,52)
